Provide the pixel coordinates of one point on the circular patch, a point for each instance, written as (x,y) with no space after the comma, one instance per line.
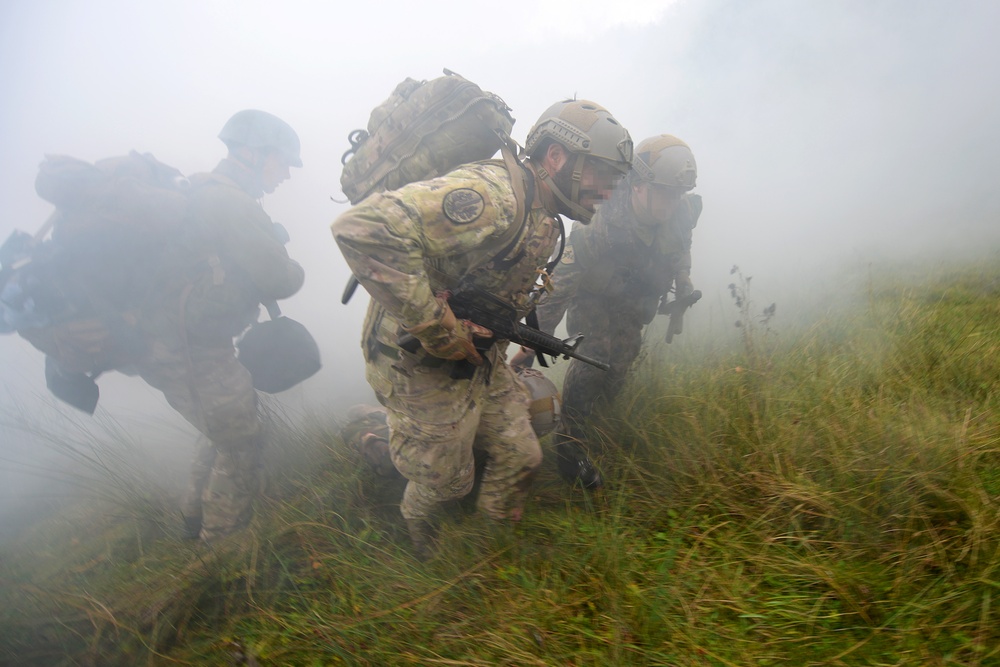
(462,206)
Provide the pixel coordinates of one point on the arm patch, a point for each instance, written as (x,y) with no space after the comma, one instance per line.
(463,206)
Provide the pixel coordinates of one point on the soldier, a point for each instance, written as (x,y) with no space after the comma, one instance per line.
(229,258)
(410,247)
(612,276)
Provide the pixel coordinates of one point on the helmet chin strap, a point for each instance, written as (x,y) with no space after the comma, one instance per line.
(576,211)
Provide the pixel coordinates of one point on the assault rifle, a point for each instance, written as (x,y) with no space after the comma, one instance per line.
(498,316)
(675,309)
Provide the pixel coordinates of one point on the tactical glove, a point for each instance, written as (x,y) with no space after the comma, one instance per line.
(448,337)
(523,358)
(682,284)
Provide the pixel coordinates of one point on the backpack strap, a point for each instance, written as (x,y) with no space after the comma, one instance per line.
(523,186)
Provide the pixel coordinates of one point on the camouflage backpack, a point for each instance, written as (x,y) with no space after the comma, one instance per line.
(426,129)
(73,289)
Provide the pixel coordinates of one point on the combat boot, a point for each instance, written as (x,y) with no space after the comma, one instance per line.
(575,466)
(227,502)
(191,527)
(422,536)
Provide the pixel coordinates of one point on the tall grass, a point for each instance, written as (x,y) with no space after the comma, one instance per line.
(826,495)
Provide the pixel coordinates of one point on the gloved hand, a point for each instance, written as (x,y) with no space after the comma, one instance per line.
(524,358)
(448,337)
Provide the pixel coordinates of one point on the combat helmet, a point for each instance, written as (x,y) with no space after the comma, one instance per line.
(259,129)
(546,403)
(664,160)
(279,353)
(367,430)
(585,129)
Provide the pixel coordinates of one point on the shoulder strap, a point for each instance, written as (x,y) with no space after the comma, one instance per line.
(523,186)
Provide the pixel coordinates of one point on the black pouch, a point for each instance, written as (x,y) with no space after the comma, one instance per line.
(77,389)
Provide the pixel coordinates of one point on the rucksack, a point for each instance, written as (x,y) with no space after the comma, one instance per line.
(73,289)
(426,129)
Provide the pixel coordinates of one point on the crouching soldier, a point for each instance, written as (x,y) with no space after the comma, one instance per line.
(444,390)
(614,277)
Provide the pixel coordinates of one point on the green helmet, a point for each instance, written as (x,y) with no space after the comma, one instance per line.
(665,160)
(587,130)
(258,129)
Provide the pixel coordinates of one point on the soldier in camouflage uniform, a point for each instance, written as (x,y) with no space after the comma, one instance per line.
(409,247)
(229,258)
(612,277)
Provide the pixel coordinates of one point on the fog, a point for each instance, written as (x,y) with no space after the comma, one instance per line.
(828,135)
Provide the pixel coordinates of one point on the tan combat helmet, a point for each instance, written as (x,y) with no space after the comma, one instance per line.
(585,129)
(665,160)
(259,129)
(546,403)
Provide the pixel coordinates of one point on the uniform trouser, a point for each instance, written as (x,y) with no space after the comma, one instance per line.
(214,392)
(607,336)
(436,421)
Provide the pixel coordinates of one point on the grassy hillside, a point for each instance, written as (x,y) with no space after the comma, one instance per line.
(821,495)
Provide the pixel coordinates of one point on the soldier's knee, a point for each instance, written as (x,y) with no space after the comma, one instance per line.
(458,487)
(528,458)
(531,459)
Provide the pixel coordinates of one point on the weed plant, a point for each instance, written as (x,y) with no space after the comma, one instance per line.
(826,495)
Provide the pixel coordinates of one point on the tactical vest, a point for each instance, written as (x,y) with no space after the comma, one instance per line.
(616,263)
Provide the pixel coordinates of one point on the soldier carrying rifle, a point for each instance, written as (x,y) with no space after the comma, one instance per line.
(614,277)
(409,249)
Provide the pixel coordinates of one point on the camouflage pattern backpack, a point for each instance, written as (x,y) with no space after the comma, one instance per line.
(423,130)
(426,129)
(74,289)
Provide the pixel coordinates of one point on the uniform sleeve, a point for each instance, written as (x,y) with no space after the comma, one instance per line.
(387,238)
(685,229)
(247,244)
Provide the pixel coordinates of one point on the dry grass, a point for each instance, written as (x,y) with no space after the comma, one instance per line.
(825,496)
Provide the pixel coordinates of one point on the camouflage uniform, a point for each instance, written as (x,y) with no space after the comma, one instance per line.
(611,280)
(226,262)
(406,246)
(367,430)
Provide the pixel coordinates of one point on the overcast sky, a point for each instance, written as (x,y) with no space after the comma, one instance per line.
(826,133)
